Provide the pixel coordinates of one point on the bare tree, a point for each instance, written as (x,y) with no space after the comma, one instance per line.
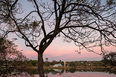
(88,23)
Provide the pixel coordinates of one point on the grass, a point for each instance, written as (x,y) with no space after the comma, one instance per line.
(47,67)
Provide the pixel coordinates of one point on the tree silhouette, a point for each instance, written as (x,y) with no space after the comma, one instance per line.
(10,57)
(87,23)
(7,52)
(46,59)
(110,59)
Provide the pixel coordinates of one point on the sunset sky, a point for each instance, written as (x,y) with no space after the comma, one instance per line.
(58,50)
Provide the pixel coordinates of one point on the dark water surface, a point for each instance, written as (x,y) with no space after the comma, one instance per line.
(65,73)
(80,74)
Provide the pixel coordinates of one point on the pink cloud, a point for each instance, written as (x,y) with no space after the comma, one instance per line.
(30,54)
(65,51)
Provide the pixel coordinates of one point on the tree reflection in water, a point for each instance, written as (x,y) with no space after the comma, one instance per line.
(16,74)
(62,73)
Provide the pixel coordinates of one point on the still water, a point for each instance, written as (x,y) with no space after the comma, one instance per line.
(65,73)
(78,74)
(81,74)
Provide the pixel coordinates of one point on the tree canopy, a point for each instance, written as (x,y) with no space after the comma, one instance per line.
(10,57)
(87,23)
(110,59)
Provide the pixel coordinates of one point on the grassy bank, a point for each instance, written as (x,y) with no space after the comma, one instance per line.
(81,67)
(35,67)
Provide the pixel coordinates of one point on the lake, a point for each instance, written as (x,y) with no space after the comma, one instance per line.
(59,73)
(88,72)
(80,74)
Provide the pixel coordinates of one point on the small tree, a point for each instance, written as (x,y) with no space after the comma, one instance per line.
(10,56)
(110,59)
(46,59)
(7,51)
(88,23)
(20,62)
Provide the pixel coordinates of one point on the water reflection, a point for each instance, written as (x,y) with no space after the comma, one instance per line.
(89,72)
(62,71)
(16,74)
(81,74)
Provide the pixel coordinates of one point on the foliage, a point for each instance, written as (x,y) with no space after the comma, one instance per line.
(87,23)
(33,62)
(46,59)
(110,59)
(72,64)
(47,64)
(11,57)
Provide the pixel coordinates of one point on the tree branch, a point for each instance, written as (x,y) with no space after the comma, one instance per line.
(38,11)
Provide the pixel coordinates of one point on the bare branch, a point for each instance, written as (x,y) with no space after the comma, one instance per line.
(38,11)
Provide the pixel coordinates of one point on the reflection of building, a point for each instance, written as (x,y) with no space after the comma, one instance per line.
(64,64)
(57,65)
(46,75)
(58,70)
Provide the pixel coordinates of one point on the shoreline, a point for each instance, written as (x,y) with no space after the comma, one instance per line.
(76,67)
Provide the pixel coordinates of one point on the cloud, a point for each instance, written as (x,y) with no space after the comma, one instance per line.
(30,54)
(64,51)
(73,56)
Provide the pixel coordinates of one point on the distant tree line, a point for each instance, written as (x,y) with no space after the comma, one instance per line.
(69,64)
(109,60)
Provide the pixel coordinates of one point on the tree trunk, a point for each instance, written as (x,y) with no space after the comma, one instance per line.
(40,65)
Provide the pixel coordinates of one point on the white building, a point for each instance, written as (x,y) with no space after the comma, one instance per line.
(57,65)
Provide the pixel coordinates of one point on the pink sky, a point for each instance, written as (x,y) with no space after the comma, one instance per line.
(60,50)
